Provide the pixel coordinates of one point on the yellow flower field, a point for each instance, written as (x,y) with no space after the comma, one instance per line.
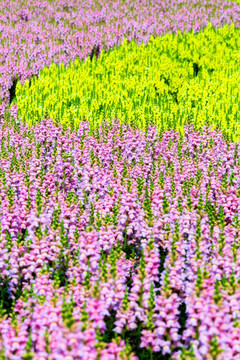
(171,81)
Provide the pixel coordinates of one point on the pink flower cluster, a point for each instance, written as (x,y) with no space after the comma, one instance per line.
(116,226)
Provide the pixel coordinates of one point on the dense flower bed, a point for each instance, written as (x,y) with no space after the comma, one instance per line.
(118,244)
(35,33)
(170,82)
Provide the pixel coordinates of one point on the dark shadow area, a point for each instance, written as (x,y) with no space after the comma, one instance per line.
(6,300)
(196,69)
(133,337)
(109,334)
(163,254)
(12,90)
(182,317)
(95,52)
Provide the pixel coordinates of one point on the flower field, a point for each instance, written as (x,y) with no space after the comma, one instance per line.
(119,180)
(170,82)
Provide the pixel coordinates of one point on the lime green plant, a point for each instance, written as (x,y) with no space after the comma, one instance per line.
(172,81)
